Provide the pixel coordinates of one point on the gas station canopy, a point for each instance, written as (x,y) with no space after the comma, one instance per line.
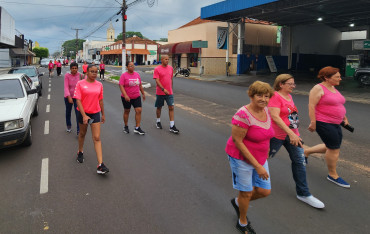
(339,14)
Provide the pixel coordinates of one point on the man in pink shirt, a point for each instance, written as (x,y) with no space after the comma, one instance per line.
(163,75)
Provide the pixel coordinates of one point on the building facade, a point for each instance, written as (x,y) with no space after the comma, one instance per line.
(259,38)
(138,50)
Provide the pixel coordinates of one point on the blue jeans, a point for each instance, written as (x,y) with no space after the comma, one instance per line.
(69,111)
(298,168)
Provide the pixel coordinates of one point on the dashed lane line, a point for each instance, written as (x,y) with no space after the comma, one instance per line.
(49,90)
(46,128)
(47,108)
(48,96)
(44,180)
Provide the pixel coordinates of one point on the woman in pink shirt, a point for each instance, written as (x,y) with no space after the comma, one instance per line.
(89,98)
(327,112)
(59,68)
(285,123)
(130,86)
(102,68)
(248,149)
(70,81)
(84,68)
(51,67)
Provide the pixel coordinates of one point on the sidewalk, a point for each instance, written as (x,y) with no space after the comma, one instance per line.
(348,87)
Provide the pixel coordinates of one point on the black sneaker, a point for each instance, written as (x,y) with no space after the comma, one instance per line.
(102,169)
(80,157)
(159,125)
(174,129)
(139,131)
(246,229)
(125,130)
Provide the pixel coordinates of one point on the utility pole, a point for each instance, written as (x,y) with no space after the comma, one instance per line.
(124,18)
(77,29)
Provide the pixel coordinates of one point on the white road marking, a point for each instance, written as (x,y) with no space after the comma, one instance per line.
(46,129)
(47,108)
(49,96)
(44,180)
(49,90)
(49,85)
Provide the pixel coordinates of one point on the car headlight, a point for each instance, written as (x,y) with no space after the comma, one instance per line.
(36,83)
(13,124)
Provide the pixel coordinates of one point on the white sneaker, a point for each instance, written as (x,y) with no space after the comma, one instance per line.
(312,201)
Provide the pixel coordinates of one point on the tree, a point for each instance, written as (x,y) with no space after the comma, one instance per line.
(41,52)
(70,45)
(129,34)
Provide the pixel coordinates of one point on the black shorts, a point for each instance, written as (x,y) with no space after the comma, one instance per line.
(136,103)
(95,117)
(50,70)
(330,134)
(102,71)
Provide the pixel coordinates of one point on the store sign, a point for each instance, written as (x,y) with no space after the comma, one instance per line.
(361,45)
(199,44)
(222,34)
(165,51)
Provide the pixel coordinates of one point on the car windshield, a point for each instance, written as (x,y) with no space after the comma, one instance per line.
(10,89)
(27,71)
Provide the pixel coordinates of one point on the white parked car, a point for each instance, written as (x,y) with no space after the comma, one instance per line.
(18,102)
(45,62)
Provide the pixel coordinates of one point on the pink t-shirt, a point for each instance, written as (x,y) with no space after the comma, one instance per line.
(288,113)
(102,66)
(59,64)
(84,68)
(330,108)
(164,74)
(257,139)
(131,84)
(90,94)
(70,82)
(51,65)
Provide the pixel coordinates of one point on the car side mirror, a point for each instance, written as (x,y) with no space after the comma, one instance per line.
(41,74)
(32,91)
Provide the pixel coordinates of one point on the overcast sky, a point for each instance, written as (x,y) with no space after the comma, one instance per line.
(50,22)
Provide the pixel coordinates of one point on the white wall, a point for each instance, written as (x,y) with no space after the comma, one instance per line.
(5,60)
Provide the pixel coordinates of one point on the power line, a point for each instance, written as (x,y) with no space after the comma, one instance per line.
(57,5)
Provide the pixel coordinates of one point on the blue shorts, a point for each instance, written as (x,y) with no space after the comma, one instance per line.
(159,102)
(330,134)
(245,177)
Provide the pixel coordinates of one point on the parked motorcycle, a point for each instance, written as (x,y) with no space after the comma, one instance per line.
(183,71)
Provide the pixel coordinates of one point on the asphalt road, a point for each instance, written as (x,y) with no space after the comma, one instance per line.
(166,183)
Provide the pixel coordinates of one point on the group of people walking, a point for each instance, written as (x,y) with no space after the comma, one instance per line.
(85,94)
(259,129)
(270,121)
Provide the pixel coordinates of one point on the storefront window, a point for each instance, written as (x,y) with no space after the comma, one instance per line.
(193,60)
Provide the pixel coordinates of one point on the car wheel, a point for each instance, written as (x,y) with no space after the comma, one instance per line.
(28,140)
(40,92)
(364,79)
(36,110)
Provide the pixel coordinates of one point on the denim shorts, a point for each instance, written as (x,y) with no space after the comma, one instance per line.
(245,177)
(95,117)
(159,102)
(330,134)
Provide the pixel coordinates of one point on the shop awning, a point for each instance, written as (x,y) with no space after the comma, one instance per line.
(185,48)
(16,52)
(138,51)
(108,52)
(167,49)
